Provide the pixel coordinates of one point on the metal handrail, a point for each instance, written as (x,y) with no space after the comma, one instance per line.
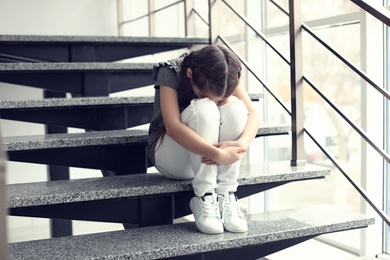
(279,7)
(361,191)
(346,62)
(254,74)
(261,35)
(200,16)
(148,14)
(356,128)
(379,12)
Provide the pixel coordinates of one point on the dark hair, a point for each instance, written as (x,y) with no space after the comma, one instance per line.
(214,68)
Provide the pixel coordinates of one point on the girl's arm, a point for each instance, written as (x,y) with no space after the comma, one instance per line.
(253,123)
(187,137)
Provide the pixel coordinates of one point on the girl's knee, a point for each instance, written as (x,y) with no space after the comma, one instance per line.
(205,110)
(205,105)
(229,100)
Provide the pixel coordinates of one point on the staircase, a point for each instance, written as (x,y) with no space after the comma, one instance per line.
(114,142)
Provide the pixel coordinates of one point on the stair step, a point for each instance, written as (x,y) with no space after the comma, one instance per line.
(36,48)
(114,187)
(92,113)
(102,150)
(83,78)
(136,199)
(82,101)
(75,66)
(98,138)
(268,232)
(68,140)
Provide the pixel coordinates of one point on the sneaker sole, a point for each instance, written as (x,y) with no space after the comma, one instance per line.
(203,230)
(236,230)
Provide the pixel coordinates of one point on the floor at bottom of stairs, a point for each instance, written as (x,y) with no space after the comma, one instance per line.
(311,249)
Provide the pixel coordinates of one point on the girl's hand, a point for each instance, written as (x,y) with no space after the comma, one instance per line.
(225,144)
(228,156)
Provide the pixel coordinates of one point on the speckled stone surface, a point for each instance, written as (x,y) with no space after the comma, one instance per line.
(83,101)
(65,67)
(184,239)
(52,141)
(67,191)
(71,39)
(67,102)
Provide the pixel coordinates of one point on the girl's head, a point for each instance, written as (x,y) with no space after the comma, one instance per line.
(213,71)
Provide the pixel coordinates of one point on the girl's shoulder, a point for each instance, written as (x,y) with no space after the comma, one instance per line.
(173,64)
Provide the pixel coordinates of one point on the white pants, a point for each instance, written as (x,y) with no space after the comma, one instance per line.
(215,124)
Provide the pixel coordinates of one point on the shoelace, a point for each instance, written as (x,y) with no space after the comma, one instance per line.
(232,209)
(210,209)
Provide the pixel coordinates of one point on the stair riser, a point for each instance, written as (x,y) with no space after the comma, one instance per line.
(91,118)
(83,52)
(122,159)
(85,83)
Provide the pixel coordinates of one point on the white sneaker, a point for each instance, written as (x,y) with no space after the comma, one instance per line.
(232,217)
(206,213)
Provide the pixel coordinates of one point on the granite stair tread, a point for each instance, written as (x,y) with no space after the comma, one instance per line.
(65,67)
(92,113)
(114,187)
(98,138)
(77,39)
(265,229)
(55,141)
(72,48)
(83,101)
(76,101)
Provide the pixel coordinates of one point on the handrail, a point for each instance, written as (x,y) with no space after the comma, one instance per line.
(254,74)
(346,62)
(361,191)
(279,7)
(377,11)
(356,128)
(261,35)
(201,17)
(148,14)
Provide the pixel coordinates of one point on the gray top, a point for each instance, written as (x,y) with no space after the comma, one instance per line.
(165,74)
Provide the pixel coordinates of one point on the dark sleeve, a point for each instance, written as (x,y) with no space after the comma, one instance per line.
(166,77)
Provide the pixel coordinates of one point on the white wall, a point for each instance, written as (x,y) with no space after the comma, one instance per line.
(58,17)
(45,17)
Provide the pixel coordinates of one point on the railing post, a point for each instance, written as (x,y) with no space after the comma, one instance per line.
(3,208)
(214,11)
(189,23)
(297,114)
(151,18)
(119,13)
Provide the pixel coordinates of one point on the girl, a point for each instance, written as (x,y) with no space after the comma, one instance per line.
(202,125)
